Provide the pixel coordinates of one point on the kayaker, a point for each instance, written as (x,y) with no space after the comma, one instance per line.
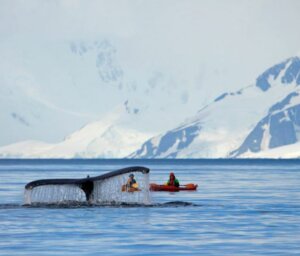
(172,180)
(131,182)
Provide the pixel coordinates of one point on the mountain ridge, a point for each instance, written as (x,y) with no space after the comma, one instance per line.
(223,128)
(222,118)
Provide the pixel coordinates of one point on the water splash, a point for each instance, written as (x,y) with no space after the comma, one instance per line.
(110,190)
(54,194)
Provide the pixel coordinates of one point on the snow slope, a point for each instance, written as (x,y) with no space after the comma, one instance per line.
(24,115)
(288,151)
(280,127)
(107,138)
(220,128)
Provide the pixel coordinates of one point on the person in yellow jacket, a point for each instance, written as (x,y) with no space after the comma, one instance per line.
(131,182)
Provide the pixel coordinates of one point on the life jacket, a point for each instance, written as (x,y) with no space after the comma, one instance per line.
(133,181)
(175,182)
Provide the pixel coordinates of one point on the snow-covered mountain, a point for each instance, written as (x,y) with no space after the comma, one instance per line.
(107,138)
(263,117)
(78,81)
(259,117)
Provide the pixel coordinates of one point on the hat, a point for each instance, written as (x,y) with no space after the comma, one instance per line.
(131,175)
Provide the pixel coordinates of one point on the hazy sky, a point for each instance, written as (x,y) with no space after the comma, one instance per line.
(201,48)
(236,38)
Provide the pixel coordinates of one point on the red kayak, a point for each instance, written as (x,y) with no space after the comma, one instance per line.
(187,187)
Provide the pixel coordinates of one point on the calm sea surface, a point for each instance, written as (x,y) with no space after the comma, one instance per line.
(240,208)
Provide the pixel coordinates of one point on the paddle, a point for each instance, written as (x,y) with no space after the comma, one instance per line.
(190,185)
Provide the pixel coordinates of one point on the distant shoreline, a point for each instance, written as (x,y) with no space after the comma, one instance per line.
(190,161)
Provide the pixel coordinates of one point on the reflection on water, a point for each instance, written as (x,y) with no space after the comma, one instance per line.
(251,208)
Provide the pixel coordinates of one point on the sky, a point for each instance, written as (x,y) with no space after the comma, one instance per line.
(215,34)
(197,48)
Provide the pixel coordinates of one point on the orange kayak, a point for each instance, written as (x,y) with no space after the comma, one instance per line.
(187,187)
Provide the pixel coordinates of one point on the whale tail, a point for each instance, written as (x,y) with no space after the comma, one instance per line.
(106,188)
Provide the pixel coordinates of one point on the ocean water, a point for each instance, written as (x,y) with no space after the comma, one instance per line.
(241,207)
